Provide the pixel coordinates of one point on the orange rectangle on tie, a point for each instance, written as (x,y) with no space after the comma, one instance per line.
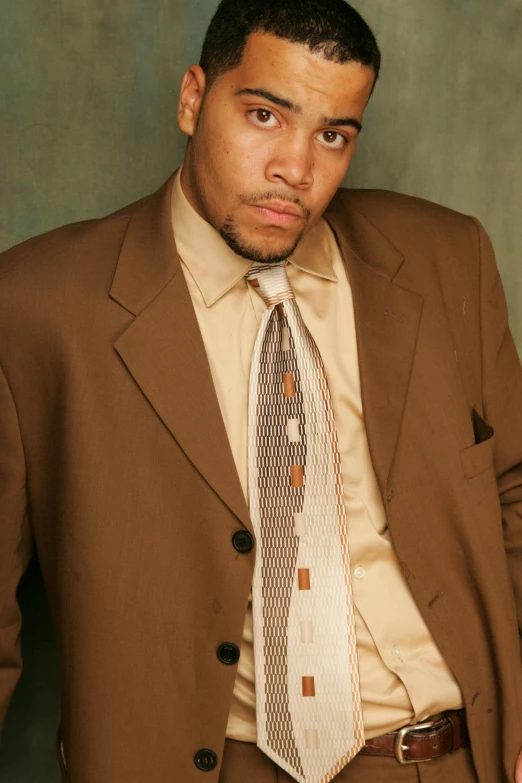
(281,309)
(308,686)
(296,472)
(289,384)
(303,578)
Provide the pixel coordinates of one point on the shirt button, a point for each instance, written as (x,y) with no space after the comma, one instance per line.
(359,572)
(243,541)
(397,652)
(205,760)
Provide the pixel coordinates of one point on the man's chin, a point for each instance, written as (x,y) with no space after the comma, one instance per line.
(261,253)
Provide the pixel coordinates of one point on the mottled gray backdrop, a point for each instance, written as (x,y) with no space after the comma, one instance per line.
(88,96)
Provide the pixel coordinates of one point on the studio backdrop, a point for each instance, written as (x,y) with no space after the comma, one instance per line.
(88,95)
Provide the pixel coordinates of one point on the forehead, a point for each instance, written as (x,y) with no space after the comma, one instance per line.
(274,62)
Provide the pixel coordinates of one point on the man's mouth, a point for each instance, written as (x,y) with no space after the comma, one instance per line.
(278,214)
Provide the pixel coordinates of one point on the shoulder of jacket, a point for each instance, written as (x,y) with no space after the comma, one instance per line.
(397,214)
(65,245)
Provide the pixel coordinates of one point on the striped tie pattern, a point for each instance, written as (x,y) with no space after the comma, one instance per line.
(309,715)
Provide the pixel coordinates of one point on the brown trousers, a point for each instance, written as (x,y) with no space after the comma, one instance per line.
(243,761)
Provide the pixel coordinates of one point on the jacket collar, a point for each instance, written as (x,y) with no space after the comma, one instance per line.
(149,256)
(164,351)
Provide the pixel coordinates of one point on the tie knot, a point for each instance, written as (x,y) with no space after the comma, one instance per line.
(271,282)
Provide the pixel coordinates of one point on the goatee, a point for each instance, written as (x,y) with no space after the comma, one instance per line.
(231,236)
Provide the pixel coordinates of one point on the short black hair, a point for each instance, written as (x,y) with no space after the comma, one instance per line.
(331,27)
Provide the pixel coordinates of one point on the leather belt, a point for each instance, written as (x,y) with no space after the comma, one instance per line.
(434,737)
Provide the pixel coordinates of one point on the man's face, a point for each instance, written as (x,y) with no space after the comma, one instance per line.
(270,143)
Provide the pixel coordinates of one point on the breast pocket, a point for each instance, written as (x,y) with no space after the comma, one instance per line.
(478,458)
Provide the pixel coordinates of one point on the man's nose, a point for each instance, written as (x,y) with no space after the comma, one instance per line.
(293,162)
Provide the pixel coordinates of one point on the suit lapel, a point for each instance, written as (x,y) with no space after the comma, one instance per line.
(164,351)
(387,319)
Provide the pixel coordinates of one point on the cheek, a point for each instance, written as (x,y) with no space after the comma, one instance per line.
(233,152)
(246,163)
(329,172)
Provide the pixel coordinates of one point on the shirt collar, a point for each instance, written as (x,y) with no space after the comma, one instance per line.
(216,268)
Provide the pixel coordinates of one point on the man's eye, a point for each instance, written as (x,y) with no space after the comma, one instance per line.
(263,118)
(334,140)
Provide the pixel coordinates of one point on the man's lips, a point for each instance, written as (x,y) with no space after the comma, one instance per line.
(278,214)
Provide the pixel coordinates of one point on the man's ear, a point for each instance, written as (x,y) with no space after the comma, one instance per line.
(191,99)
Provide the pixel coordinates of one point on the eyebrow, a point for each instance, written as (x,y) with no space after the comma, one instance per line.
(336,121)
(269,96)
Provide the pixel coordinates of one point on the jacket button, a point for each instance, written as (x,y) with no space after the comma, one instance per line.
(242,541)
(205,760)
(228,653)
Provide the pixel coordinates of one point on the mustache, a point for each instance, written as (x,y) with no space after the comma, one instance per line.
(276,195)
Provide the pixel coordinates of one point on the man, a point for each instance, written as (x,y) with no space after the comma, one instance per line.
(267,436)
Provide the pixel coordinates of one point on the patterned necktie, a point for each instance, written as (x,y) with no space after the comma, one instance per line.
(309,715)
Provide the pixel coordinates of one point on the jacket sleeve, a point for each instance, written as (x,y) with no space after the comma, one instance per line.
(16,544)
(502,397)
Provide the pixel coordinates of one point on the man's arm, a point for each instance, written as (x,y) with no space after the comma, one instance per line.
(502,395)
(16,544)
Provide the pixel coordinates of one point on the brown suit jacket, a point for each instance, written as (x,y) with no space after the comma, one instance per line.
(115,460)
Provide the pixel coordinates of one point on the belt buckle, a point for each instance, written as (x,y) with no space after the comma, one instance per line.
(400,748)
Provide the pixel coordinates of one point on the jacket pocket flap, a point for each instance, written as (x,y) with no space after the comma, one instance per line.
(478,458)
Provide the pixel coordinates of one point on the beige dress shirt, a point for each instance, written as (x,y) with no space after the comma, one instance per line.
(403,675)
